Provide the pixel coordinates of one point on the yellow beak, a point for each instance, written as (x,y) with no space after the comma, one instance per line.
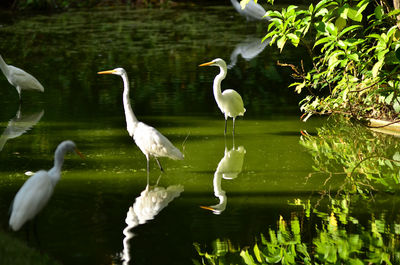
(106,72)
(206,64)
(79,153)
(207,208)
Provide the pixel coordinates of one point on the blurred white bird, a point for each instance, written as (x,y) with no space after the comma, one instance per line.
(19,125)
(228,168)
(20,79)
(248,49)
(229,101)
(37,190)
(252,11)
(150,141)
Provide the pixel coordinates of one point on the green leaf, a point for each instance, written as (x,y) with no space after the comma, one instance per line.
(294,38)
(281,42)
(379,12)
(396,106)
(347,29)
(257,253)
(354,15)
(330,27)
(388,99)
(394,12)
(376,68)
(248,259)
(340,23)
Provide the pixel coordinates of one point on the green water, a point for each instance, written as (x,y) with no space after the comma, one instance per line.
(284,174)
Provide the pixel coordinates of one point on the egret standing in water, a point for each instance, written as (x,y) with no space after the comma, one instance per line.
(229,101)
(19,78)
(37,190)
(150,141)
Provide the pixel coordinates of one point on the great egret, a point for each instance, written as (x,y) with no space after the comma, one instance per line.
(37,190)
(229,101)
(228,168)
(19,78)
(252,11)
(19,125)
(150,141)
(248,49)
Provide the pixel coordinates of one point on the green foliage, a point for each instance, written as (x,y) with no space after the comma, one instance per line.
(368,160)
(334,241)
(355,52)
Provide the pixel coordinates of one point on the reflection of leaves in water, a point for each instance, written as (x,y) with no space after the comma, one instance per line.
(334,243)
(367,159)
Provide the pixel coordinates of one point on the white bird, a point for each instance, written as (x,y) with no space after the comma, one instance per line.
(248,49)
(252,11)
(229,101)
(19,78)
(228,168)
(19,125)
(37,190)
(150,141)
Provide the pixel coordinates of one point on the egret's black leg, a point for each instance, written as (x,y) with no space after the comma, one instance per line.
(226,121)
(148,166)
(233,130)
(159,165)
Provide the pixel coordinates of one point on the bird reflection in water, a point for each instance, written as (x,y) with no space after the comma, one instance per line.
(228,168)
(248,49)
(19,125)
(150,202)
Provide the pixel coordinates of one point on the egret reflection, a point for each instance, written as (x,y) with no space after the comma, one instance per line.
(19,125)
(248,49)
(251,12)
(150,202)
(228,168)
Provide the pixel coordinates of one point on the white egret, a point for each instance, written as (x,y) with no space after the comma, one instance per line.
(37,190)
(19,78)
(252,11)
(228,168)
(19,125)
(150,141)
(229,101)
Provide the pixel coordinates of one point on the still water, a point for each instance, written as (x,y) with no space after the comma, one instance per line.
(298,191)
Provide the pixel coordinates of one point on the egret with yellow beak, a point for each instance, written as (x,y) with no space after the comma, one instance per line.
(229,101)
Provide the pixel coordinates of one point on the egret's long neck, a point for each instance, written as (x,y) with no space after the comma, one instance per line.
(217,82)
(3,66)
(131,120)
(55,171)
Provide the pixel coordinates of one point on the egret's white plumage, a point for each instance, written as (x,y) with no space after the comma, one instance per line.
(252,11)
(228,168)
(229,101)
(37,190)
(150,141)
(20,79)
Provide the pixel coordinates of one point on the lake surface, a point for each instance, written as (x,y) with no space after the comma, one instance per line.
(326,185)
